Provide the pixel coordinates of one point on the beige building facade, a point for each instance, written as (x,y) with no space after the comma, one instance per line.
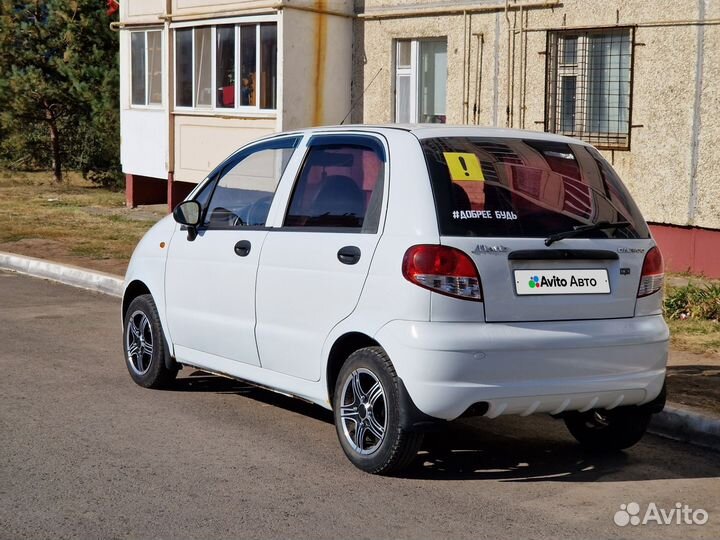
(637,78)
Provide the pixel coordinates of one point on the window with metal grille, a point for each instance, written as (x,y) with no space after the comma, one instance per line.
(589,85)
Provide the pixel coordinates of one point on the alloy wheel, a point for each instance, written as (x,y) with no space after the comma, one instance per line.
(139,343)
(363,411)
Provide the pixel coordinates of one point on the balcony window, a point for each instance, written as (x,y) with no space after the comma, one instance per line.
(227,67)
(146,67)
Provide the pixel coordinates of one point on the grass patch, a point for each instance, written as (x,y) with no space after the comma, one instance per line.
(82,220)
(693,315)
(694,302)
(700,337)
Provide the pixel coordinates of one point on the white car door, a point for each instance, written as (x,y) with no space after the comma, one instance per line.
(314,263)
(210,279)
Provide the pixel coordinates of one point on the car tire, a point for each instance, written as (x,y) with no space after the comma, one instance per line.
(608,431)
(366,403)
(144,346)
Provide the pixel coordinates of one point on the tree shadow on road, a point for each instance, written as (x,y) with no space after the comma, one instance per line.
(511,449)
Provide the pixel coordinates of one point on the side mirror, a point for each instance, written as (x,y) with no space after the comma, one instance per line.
(188,213)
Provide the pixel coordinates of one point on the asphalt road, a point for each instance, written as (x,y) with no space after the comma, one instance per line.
(86,453)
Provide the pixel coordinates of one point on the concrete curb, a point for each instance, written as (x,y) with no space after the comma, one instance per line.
(63,273)
(674,422)
(687,425)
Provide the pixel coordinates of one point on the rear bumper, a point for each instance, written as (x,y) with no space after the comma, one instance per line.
(526,368)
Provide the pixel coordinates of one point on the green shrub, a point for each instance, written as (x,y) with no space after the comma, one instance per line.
(694,302)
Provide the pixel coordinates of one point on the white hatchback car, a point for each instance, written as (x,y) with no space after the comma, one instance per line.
(407,276)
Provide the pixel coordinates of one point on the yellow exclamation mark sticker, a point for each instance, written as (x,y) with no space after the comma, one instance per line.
(464,167)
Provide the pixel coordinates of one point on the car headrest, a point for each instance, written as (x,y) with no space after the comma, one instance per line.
(339,195)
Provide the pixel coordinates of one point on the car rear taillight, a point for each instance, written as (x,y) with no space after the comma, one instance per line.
(653,273)
(442,269)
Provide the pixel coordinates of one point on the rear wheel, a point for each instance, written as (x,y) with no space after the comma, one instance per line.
(144,345)
(608,431)
(367,414)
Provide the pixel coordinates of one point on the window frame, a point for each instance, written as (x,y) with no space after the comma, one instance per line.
(556,69)
(147,104)
(237,23)
(371,141)
(413,71)
(276,143)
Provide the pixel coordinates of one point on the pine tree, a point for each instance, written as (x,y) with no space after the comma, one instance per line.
(58,68)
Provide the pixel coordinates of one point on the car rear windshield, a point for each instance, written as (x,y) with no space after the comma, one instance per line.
(526,188)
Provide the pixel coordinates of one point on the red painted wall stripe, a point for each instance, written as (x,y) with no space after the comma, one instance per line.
(689,249)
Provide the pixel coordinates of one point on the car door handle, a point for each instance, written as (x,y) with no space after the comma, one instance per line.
(242,248)
(349,254)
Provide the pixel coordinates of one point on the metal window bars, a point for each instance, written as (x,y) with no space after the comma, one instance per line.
(589,85)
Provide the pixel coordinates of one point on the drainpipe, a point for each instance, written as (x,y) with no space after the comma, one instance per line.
(523,67)
(512,116)
(512,71)
(469,53)
(478,75)
(507,75)
(696,121)
(170,105)
(464,107)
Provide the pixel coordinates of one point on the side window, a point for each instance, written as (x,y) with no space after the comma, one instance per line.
(339,186)
(244,193)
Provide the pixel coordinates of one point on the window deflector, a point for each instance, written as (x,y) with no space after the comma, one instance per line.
(285,142)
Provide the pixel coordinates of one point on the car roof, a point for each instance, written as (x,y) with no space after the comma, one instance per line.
(427,131)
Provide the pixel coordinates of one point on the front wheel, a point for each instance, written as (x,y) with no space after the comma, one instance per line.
(144,345)
(608,431)
(367,414)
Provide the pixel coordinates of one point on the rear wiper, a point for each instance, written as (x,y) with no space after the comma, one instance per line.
(577,231)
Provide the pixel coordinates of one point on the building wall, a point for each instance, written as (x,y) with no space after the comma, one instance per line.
(707,204)
(187,8)
(317,68)
(136,11)
(202,142)
(658,168)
